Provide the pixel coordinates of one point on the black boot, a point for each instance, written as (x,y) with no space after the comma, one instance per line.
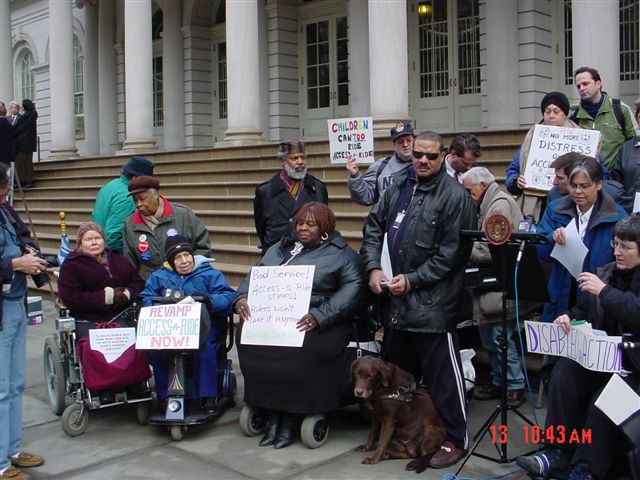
(287,433)
(271,429)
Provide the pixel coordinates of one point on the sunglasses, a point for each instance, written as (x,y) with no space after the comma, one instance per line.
(430,155)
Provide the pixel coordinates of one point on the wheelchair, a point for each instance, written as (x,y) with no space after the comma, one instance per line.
(63,373)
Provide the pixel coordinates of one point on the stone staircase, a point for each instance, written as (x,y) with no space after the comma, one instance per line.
(218,185)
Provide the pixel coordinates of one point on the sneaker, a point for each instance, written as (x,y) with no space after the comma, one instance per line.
(515,398)
(26,460)
(14,474)
(580,472)
(488,392)
(447,456)
(543,464)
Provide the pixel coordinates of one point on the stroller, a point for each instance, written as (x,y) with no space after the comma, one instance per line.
(65,378)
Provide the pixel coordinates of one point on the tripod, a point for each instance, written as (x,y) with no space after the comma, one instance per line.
(510,255)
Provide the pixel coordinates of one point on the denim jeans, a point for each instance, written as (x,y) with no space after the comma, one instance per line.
(13,362)
(489,337)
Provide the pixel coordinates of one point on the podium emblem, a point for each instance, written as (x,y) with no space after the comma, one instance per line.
(497,229)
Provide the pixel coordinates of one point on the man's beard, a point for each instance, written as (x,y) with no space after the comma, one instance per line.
(293,174)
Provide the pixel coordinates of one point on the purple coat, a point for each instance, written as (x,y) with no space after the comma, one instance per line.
(82,281)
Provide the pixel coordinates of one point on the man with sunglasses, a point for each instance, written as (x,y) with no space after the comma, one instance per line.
(463,155)
(366,188)
(417,225)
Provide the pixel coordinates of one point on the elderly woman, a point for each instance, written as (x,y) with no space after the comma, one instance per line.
(595,215)
(96,283)
(290,382)
(610,301)
(146,230)
(193,275)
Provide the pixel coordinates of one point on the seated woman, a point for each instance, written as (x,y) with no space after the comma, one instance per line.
(610,301)
(96,283)
(192,275)
(595,214)
(291,382)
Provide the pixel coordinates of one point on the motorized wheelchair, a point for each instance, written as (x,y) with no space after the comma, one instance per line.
(64,378)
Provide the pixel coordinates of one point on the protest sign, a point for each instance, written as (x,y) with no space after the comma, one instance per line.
(351,136)
(599,353)
(169,327)
(111,342)
(550,142)
(278,298)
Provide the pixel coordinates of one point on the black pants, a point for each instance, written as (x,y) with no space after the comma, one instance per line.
(24,166)
(434,358)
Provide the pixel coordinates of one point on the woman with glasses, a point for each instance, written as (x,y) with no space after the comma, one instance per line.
(594,214)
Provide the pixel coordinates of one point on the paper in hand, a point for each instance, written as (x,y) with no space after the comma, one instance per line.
(571,254)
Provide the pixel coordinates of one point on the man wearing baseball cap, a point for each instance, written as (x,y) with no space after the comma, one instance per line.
(366,188)
(113,203)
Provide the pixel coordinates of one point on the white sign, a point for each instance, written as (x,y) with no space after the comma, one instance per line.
(351,136)
(547,144)
(278,297)
(618,400)
(112,342)
(595,352)
(572,254)
(169,327)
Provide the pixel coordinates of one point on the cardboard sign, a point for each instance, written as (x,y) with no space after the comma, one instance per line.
(599,353)
(278,298)
(547,144)
(351,136)
(169,327)
(112,342)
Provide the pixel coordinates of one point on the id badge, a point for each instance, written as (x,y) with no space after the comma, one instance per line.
(398,220)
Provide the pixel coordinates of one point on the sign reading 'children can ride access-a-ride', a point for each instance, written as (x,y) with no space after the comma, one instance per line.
(351,137)
(169,327)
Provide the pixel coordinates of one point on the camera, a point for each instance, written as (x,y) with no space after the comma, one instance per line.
(42,278)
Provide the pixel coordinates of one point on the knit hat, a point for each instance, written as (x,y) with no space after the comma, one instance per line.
(558,99)
(138,166)
(175,245)
(142,184)
(287,147)
(87,226)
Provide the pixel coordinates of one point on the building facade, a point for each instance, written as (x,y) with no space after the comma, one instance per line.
(124,76)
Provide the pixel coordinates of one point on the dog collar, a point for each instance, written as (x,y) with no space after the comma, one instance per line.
(402,394)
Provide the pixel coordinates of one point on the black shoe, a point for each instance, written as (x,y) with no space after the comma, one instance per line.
(28,184)
(271,429)
(210,405)
(515,398)
(580,472)
(288,429)
(488,392)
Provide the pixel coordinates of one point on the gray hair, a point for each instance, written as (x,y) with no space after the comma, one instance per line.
(477,175)
(13,103)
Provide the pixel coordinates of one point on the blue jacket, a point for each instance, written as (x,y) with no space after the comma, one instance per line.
(597,239)
(204,279)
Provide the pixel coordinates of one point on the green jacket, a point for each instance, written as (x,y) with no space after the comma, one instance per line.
(612,134)
(111,208)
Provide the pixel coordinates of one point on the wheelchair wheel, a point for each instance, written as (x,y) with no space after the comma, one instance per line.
(75,420)
(177,432)
(252,421)
(143,412)
(233,388)
(314,431)
(54,377)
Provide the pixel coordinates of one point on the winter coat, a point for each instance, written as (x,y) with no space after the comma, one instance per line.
(339,285)
(274,207)
(113,206)
(432,252)
(83,279)
(145,247)
(203,279)
(621,306)
(626,170)
(25,136)
(597,239)
(7,154)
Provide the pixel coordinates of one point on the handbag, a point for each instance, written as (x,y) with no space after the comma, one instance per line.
(128,369)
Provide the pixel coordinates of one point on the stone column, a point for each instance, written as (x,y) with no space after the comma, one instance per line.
(591,46)
(107,96)
(502,103)
(358,59)
(173,76)
(6,53)
(90,80)
(63,142)
(388,64)
(138,67)
(243,79)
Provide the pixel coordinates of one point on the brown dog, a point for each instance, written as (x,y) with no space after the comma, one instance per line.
(404,421)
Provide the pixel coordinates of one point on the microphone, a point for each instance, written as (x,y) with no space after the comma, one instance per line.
(523,243)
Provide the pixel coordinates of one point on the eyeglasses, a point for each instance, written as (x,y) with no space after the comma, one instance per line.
(581,186)
(430,155)
(621,246)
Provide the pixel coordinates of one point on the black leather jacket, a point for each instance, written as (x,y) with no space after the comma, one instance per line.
(432,253)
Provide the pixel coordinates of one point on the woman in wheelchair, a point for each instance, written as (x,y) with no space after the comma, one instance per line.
(191,275)
(289,382)
(96,283)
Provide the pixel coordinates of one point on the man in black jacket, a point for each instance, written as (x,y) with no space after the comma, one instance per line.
(418,222)
(279,198)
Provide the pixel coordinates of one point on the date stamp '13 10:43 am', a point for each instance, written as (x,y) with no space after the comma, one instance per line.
(556,434)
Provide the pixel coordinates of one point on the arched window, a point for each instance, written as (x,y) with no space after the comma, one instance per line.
(78,86)
(26,80)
